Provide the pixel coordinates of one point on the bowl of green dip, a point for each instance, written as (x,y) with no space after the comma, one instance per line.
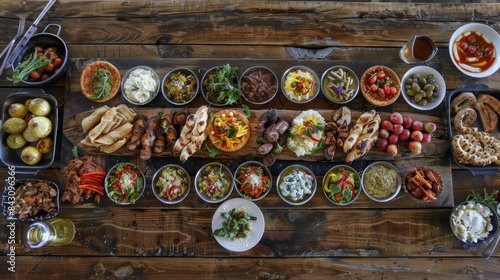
(381,181)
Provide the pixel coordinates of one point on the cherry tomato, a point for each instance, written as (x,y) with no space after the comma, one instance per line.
(488,51)
(387,89)
(472,38)
(373,88)
(41,70)
(35,75)
(381,92)
(39,49)
(479,54)
(57,62)
(45,76)
(472,49)
(372,80)
(50,67)
(381,75)
(394,90)
(464,45)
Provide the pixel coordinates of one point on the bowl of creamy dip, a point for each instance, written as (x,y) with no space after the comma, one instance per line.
(474,222)
(381,181)
(140,85)
(296,184)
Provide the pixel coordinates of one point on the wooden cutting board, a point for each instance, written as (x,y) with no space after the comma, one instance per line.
(438,146)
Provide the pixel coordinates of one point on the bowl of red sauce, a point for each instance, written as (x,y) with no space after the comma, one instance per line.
(473,49)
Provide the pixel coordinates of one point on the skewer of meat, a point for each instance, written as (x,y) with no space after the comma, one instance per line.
(137,131)
(148,138)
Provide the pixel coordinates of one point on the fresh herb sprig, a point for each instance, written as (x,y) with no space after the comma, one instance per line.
(33,62)
(101,84)
(488,198)
(235,225)
(220,86)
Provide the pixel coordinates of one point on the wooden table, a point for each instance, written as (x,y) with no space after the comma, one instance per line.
(318,240)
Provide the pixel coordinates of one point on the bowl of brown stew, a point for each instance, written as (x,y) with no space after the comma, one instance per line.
(259,85)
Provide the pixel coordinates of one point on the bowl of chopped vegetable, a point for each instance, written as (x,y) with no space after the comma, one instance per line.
(381,181)
(180,86)
(219,86)
(171,184)
(124,183)
(253,180)
(300,84)
(340,84)
(214,182)
(296,184)
(43,60)
(342,185)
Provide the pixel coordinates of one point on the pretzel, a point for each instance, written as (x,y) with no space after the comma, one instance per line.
(463,119)
(463,100)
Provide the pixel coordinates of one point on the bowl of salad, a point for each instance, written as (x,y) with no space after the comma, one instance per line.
(296,184)
(342,185)
(124,183)
(220,86)
(300,84)
(171,184)
(214,182)
(253,180)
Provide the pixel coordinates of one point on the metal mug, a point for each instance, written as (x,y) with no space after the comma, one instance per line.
(419,49)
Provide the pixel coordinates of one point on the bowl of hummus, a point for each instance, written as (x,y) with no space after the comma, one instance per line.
(140,85)
(474,222)
(381,181)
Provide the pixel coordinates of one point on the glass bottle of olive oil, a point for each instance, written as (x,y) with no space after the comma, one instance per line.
(53,232)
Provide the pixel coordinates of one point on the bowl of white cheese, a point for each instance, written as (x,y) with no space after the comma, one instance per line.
(474,222)
(296,184)
(140,85)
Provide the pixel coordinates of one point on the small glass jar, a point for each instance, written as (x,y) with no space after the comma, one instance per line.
(53,232)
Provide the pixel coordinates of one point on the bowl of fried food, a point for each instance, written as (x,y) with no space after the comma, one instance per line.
(423,184)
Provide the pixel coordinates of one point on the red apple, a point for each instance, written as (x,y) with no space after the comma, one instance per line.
(416,135)
(396,118)
(383,133)
(385,124)
(430,127)
(415,147)
(382,144)
(392,150)
(407,121)
(393,139)
(397,129)
(417,125)
(404,135)
(426,137)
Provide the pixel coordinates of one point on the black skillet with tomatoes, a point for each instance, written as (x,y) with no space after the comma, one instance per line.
(380,85)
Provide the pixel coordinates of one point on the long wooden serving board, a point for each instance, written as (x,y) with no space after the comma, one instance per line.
(438,146)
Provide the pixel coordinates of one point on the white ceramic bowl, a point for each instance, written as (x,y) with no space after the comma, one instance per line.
(487,31)
(473,205)
(424,72)
(148,71)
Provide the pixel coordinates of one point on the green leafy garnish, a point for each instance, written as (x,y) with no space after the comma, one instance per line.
(212,152)
(235,225)
(260,140)
(75,151)
(101,84)
(246,111)
(278,149)
(488,198)
(33,62)
(221,87)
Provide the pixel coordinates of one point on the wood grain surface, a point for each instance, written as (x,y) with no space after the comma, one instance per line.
(150,240)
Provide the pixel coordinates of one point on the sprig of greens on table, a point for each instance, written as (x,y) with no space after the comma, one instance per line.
(491,199)
(235,225)
(33,62)
(220,86)
(101,84)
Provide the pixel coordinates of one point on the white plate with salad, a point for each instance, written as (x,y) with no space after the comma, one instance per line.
(238,238)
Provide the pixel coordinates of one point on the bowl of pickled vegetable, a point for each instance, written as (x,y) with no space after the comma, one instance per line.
(214,182)
(381,181)
(423,87)
(124,183)
(180,86)
(296,184)
(340,84)
(253,180)
(171,184)
(342,185)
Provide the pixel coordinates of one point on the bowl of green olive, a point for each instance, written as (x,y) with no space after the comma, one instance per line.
(423,87)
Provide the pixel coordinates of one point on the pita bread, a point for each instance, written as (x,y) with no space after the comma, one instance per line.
(114,135)
(89,122)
